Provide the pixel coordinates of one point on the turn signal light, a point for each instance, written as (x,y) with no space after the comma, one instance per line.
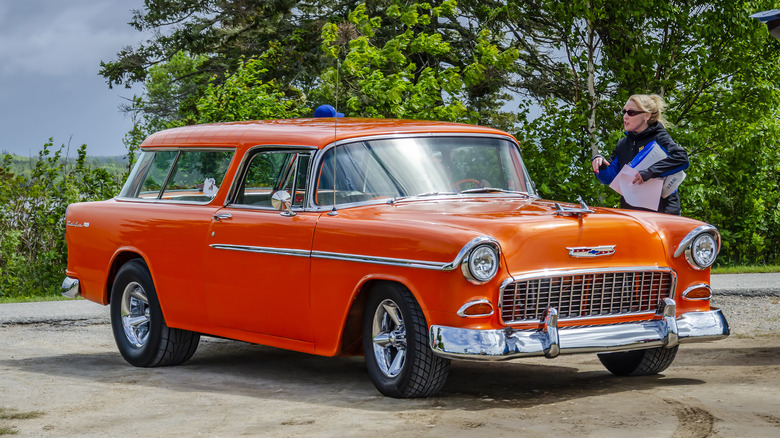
(698,292)
(476,308)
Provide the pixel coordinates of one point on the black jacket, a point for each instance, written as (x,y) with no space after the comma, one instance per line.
(630,145)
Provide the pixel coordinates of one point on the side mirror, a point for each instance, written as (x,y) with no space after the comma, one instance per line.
(281,200)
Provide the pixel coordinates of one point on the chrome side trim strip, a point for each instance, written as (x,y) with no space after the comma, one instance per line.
(503,344)
(421,264)
(263,250)
(359,258)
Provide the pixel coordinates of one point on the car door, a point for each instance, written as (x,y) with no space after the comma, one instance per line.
(258,257)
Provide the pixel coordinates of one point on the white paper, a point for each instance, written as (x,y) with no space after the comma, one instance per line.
(671,183)
(645,195)
(655,155)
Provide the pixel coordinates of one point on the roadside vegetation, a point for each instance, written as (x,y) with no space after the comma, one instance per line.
(8,414)
(555,74)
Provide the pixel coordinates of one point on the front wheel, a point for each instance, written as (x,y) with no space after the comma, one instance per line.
(639,362)
(140,332)
(395,343)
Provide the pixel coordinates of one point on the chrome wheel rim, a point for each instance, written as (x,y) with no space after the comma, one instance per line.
(389,338)
(135,314)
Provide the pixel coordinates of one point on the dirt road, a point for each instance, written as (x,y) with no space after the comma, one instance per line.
(67,379)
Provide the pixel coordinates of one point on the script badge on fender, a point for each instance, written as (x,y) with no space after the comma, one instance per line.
(591,251)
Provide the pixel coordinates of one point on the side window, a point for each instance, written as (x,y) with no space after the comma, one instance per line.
(197,175)
(157,173)
(193,176)
(270,171)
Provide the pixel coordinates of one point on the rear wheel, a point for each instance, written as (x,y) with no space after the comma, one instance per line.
(395,343)
(140,332)
(639,362)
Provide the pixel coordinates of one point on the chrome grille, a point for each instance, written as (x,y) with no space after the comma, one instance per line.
(591,294)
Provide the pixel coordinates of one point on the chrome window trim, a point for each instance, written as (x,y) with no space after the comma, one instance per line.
(317,161)
(271,148)
(697,286)
(164,201)
(178,149)
(361,258)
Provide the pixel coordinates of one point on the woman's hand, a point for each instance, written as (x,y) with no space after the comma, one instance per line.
(598,162)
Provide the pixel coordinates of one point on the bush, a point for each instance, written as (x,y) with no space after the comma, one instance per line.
(33,252)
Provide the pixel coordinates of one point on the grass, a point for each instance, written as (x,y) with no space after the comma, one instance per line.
(14,414)
(33,299)
(751,269)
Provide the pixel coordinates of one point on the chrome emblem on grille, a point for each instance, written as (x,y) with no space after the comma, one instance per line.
(591,251)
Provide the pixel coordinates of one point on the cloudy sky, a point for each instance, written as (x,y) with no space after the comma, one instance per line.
(50,53)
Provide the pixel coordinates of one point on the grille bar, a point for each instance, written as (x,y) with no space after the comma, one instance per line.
(590,294)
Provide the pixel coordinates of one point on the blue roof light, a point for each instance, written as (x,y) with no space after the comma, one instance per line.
(327,111)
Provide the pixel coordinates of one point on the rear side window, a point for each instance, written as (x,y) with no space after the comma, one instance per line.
(189,176)
(269,171)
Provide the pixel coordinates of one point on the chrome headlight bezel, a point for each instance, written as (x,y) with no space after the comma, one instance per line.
(482,263)
(697,244)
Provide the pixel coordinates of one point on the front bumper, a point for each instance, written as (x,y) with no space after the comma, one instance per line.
(550,341)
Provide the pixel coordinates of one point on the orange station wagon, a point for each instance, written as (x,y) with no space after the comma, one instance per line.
(410,242)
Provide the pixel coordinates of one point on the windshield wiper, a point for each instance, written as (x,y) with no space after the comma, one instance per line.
(420,195)
(493,190)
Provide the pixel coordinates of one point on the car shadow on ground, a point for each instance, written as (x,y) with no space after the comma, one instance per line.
(236,368)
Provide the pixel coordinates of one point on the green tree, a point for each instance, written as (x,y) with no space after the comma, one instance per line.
(403,61)
(573,64)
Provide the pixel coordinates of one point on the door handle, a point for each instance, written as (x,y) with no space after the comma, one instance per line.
(219,216)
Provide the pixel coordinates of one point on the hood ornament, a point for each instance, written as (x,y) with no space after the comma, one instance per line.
(572,211)
(591,251)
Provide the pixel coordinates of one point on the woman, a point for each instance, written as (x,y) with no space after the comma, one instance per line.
(644,122)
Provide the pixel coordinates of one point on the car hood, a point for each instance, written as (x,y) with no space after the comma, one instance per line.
(533,235)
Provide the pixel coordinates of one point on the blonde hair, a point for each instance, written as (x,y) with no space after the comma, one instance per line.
(653,104)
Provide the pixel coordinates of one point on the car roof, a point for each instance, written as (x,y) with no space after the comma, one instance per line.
(317,132)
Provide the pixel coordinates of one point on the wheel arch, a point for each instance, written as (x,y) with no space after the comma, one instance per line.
(351,342)
(120,258)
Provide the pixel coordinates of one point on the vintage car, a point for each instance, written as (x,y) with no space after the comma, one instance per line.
(410,242)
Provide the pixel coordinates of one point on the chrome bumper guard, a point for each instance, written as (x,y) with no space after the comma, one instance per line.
(70,287)
(550,341)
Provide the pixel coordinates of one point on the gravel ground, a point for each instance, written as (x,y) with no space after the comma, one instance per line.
(750,314)
(61,375)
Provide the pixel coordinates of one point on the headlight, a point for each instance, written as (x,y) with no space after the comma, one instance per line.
(481,264)
(701,247)
(704,249)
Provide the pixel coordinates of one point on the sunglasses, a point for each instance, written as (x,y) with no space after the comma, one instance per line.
(632,113)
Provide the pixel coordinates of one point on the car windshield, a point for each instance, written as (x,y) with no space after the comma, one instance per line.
(419,166)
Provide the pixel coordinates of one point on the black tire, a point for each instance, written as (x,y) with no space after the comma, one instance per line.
(639,362)
(140,332)
(400,362)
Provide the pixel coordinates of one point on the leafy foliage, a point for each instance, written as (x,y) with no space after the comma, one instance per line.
(574,63)
(33,253)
